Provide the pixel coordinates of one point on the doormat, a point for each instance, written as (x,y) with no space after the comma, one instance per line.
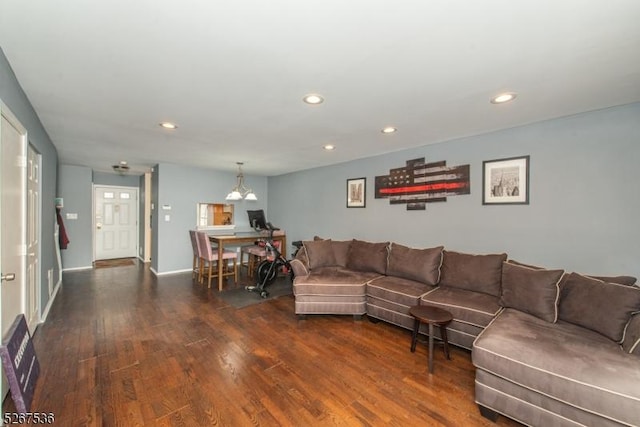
(119,262)
(240,298)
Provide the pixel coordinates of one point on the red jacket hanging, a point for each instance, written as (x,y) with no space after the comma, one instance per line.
(63,239)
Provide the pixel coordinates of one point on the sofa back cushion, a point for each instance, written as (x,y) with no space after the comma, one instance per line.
(531,290)
(421,265)
(319,253)
(367,256)
(600,306)
(480,273)
(341,251)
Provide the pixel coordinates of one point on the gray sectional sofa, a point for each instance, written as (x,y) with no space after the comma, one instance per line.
(550,348)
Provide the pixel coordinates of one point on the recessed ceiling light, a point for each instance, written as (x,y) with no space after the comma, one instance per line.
(313,99)
(504,97)
(389,129)
(329,147)
(169,125)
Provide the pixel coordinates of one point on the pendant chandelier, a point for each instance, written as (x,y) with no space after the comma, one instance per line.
(241,191)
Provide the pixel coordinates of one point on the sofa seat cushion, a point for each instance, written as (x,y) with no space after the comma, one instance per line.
(474,308)
(400,291)
(332,281)
(563,361)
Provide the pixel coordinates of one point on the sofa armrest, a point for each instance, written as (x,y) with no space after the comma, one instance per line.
(299,268)
(631,342)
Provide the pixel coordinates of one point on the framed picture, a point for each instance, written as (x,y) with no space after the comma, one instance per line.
(505,181)
(356,192)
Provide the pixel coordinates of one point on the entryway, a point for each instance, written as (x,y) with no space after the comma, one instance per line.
(115,222)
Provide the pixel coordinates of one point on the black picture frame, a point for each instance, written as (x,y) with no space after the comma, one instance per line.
(505,181)
(357,192)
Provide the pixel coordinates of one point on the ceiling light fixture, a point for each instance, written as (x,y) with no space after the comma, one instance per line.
(241,191)
(389,129)
(121,167)
(329,147)
(169,125)
(504,97)
(313,99)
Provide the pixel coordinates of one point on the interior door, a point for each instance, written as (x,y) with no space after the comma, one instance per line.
(12,220)
(116,225)
(33,238)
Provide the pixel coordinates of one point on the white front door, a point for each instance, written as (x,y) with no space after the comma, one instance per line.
(115,222)
(33,237)
(12,217)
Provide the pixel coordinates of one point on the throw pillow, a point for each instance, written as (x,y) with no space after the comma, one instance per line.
(621,280)
(480,273)
(531,290)
(366,256)
(535,267)
(320,253)
(602,307)
(421,265)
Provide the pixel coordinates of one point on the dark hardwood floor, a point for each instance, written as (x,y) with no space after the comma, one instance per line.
(123,348)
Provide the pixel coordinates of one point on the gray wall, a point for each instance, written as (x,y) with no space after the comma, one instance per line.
(15,99)
(77,191)
(584,199)
(102,178)
(182,188)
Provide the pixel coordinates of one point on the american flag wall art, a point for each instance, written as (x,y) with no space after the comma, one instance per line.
(418,183)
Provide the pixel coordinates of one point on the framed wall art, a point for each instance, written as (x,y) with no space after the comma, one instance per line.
(505,181)
(356,192)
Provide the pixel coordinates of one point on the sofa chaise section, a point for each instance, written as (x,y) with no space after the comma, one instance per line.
(332,290)
(331,276)
(547,374)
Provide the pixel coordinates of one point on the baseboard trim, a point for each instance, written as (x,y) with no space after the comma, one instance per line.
(78,268)
(45,313)
(166,273)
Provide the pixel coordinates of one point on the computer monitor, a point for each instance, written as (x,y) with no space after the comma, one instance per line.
(257,219)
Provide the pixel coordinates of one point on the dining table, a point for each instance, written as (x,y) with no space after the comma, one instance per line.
(239,239)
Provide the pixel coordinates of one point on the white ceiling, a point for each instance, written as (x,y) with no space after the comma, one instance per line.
(101,75)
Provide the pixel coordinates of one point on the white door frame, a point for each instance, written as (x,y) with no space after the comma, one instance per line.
(33,319)
(21,271)
(93,214)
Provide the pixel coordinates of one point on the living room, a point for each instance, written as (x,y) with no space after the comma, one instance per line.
(580,214)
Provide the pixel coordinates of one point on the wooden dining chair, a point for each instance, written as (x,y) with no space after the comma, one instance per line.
(196,254)
(209,260)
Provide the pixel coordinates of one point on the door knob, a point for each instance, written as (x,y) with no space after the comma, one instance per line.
(8,277)
(99,225)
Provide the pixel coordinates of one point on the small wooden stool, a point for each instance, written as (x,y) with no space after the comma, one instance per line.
(433,316)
